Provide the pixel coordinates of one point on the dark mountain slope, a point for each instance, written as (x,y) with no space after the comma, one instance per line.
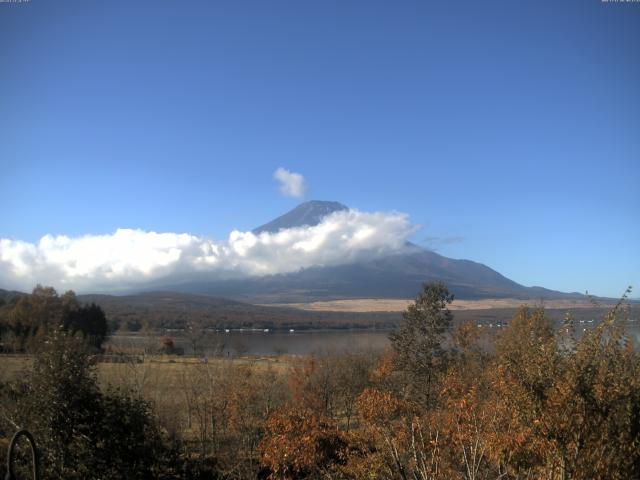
(308,213)
(398,275)
(8,295)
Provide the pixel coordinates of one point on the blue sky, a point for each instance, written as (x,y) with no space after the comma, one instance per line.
(509,131)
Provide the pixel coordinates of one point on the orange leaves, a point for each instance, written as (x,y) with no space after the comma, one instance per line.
(380,408)
(385,368)
(299,443)
(466,335)
(528,409)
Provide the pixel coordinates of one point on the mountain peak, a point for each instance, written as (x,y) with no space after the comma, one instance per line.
(307,213)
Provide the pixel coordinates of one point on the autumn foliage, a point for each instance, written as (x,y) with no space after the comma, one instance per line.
(446,401)
(300,444)
(530,403)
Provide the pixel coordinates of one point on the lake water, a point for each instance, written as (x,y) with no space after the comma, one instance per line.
(248,342)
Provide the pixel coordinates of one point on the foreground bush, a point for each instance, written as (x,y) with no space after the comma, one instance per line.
(81,431)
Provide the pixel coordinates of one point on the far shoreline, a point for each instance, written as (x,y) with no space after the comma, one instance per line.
(390,305)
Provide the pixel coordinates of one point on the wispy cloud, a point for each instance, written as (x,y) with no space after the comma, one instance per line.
(128,258)
(445,240)
(433,243)
(291,184)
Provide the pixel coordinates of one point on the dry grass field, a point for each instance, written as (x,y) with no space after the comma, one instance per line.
(13,366)
(186,392)
(157,375)
(399,304)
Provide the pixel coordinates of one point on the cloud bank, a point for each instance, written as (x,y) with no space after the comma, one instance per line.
(132,258)
(291,184)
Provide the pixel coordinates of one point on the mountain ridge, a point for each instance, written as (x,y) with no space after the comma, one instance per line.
(309,213)
(397,275)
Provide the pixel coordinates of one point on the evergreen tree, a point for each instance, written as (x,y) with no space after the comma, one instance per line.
(90,321)
(418,343)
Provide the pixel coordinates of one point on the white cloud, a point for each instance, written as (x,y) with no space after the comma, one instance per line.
(291,184)
(129,258)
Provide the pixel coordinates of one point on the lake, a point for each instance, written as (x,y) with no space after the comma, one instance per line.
(302,342)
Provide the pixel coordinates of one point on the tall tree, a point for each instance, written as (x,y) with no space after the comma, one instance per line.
(90,321)
(418,343)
